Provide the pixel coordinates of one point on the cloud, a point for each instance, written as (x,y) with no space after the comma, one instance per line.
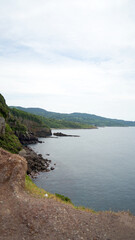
(80,51)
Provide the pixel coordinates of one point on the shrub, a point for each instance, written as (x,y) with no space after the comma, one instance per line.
(63,198)
(9,141)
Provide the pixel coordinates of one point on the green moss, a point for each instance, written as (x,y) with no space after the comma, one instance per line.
(9,141)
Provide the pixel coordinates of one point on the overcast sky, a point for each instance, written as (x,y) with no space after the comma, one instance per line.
(69,56)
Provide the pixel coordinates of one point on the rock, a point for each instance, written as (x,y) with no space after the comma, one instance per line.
(28,138)
(52,168)
(2,126)
(12,170)
(22,153)
(42,132)
(36,163)
(60,134)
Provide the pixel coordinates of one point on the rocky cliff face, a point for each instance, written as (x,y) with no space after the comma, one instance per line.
(2,126)
(43,132)
(36,128)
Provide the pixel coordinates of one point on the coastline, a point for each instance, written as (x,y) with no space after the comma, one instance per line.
(36,163)
(27,216)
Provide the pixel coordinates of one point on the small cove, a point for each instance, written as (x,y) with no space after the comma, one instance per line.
(95,170)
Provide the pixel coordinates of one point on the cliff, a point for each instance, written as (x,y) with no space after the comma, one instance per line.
(23,216)
(17,128)
(32,122)
(8,140)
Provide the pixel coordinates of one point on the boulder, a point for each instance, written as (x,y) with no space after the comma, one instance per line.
(12,170)
(22,153)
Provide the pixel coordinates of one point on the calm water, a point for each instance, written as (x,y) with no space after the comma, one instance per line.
(96,170)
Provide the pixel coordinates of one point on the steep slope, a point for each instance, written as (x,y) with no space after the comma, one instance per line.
(82,118)
(17,127)
(8,140)
(33,123)
(25,217)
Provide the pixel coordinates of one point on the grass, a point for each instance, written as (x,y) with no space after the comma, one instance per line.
(32,188)
(37,192)
(63,198)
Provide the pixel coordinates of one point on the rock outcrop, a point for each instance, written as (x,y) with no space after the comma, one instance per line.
(2,126)
(60,134)
(27,138)
(43,132)
(12,170)
(36,163)
(35,128)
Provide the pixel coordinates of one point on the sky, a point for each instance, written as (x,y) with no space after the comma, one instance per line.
(69,56)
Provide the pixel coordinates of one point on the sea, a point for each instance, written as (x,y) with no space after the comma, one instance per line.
(95,170)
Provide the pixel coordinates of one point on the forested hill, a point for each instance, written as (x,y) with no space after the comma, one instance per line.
(24,116)
(82,118)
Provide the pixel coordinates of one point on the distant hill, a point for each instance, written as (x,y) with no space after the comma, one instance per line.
(49,122)
(81,118)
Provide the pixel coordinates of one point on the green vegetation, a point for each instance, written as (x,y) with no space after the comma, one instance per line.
(63,198)
(4,110)
(9,141)
(41,193)
(25,117)
(36,192)
(54,123)
(17,127)
(47,122)
(80,118)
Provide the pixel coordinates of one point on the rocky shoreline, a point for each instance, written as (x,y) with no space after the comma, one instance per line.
(36,163)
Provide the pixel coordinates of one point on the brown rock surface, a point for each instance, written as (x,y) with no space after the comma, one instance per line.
(23,217)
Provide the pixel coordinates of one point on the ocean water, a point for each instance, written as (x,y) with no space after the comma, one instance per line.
(95,170)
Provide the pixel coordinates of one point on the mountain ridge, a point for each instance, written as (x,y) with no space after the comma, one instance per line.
(84,118)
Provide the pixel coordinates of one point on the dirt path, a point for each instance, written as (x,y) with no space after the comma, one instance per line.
(23,217)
